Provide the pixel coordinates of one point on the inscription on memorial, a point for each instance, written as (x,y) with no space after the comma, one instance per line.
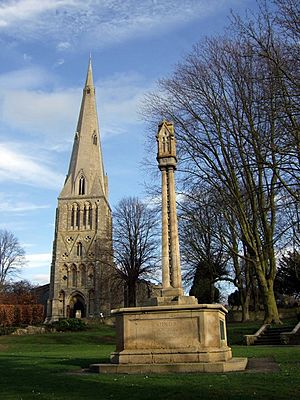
(167,333)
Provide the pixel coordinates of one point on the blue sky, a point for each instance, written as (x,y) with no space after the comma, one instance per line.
(45,46)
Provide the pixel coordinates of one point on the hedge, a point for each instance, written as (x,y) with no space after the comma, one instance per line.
(19,314)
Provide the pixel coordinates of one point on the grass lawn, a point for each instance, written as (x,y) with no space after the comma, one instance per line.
(39,366)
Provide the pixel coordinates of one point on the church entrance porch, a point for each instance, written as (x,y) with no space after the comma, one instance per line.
(77,307)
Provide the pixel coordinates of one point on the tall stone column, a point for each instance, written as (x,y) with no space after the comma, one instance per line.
(165,228)
(166,157)
(173,232)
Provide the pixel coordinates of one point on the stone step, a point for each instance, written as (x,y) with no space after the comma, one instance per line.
(280,330)
(272,336)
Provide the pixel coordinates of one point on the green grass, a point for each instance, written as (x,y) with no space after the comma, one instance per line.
(41,366)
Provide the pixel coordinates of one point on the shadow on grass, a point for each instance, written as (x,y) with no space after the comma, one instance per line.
(66,338)
(44,377)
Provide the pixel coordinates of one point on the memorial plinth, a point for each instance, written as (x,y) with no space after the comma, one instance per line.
(180,338)
(172,332)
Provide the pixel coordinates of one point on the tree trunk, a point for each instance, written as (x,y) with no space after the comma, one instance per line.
(270,306)
(131,294)
(245,300)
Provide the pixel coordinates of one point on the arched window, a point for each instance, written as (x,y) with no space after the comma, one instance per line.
(75,216)
(94,138)
(87,215)
(72,217)
(79,249)
(81,190)
(65,275)
(91,301)
(83,275)
(90,216)
(90,275)
(74,275)
(61,298)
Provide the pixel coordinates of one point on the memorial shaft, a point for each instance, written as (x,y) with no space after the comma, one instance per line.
(166,157)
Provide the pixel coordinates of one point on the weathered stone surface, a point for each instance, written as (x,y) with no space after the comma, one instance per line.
(82,249)
(29,330)
(234,364)
(171,334)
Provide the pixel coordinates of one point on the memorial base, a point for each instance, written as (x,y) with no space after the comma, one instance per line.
(176,338)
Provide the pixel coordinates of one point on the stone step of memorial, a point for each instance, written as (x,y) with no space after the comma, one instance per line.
(272,336)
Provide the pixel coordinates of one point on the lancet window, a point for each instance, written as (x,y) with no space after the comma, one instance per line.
(91,274)
(79,249)
(75,216)
(62,297)
(94,138)
(83,275)
(91,301)
(74,275)
(82,185)
(87,215)
(65,275)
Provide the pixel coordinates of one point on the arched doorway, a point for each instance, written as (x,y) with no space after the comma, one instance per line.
(77,306)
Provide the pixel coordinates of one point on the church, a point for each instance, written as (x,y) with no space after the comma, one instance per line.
(81,268)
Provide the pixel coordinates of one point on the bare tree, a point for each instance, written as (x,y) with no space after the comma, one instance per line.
(238,134)
(274,36)
(135,244)
(12,256)
(203,255)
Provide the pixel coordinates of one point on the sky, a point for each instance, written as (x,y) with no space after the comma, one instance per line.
(45,48)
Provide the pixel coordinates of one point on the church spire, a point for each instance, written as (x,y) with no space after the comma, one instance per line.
(89,77)
(86,164)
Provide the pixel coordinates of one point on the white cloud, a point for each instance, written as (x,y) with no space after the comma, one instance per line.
(59,62)
(12,12)
(120,95)
(14,226)
(38,260)
(53,114)
(63,46)
(40,279)
(18,167)
(8,205)
(28,78)
(20,207)
(100,22)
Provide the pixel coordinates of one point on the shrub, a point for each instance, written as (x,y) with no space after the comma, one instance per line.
(6,330)
(17,314)
(6,315)
(69,324)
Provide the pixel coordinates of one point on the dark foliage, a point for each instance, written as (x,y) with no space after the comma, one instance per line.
(287,281)
(69,325)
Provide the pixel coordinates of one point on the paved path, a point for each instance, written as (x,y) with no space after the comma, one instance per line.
(267,364)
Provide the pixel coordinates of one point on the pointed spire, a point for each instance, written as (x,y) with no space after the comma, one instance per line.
(86,159)
(89,77)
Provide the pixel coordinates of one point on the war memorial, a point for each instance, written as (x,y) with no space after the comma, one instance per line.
(170,333)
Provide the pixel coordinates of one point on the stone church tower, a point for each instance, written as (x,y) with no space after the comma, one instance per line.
(82,249)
